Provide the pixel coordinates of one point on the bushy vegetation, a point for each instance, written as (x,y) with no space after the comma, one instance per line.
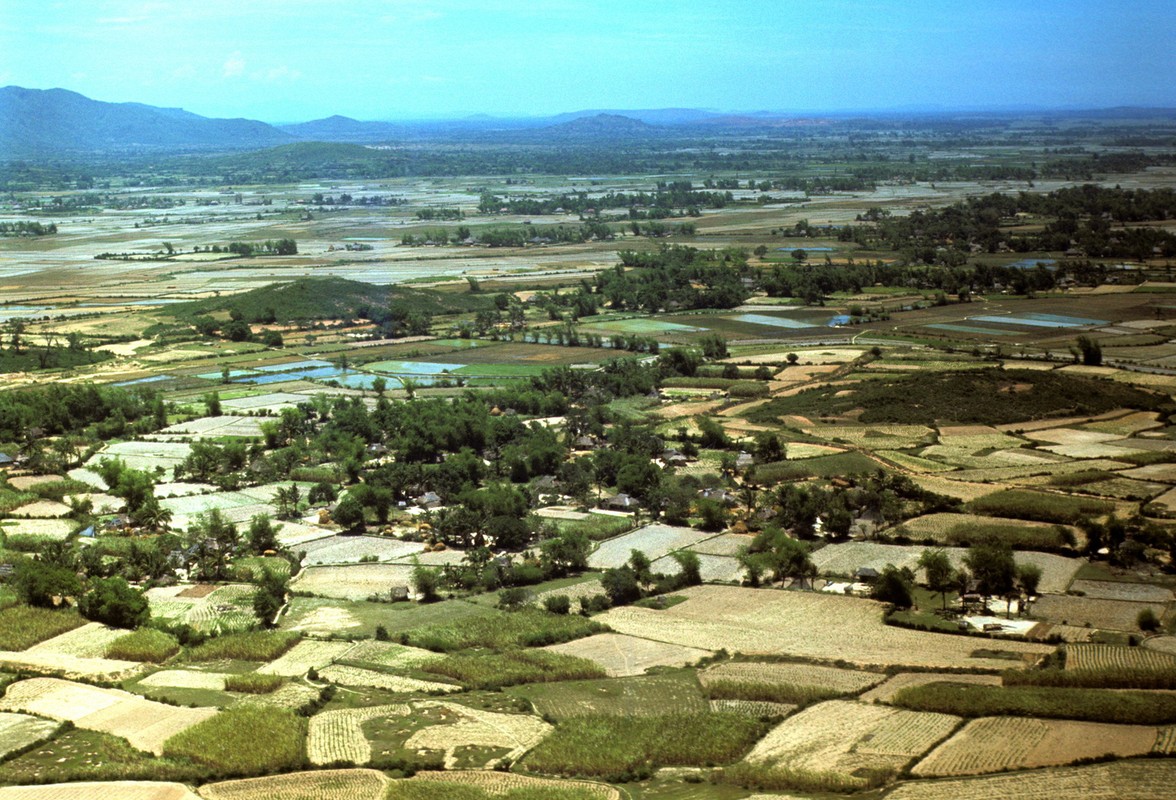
(145,644)
(984,396)
(623,748)
(1105,678)
(1040,506)
(84,755)
(246,646)
(22,627)
(1091,705)
(253,683)
(502,630)
(245,740)
(495,670)
(774,777)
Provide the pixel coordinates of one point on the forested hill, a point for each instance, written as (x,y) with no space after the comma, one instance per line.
(329,298)
(35,121)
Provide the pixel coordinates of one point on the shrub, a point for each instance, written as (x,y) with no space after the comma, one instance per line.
(145,644)
(558,604)
(1147,620)
(115,602)
(253,683)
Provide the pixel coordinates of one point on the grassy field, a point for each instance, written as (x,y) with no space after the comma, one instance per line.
(145,644)
(671,692)
(248,740)
(495,670)
(501,629)
(1091,705)
(610,746)
(22,627)
(251,646)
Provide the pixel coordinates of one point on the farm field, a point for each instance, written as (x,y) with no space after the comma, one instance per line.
(144,723)
(353,549)
(104,790)
(790,623)
(847,739)
(1120,780)
(1116,615)
(352,582)
(885,691)
(654,541)
(621,655)
(845,559)
(474,354)
(805,678)
(999,744)
(646,695)
(328,784)
(19,731)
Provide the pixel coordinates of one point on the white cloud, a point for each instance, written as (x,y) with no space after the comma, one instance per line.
(282,73)
(234,66)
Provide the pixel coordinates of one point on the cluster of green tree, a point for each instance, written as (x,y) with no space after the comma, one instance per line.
(656,205)
(309,299)
(27,229)
(636,579)
(1102,222)
(93,201)
(989,396)
(675,277)
(657,230)
(989,570)
(274,247)
(429,214)
(512,236)
(319,199)
(60,408)
(49,353)
(815,281)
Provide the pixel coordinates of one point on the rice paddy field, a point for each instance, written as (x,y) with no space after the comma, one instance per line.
(848,739)
(766,621)
(722,691)
(1000,744)
(1119,780)
(147,725)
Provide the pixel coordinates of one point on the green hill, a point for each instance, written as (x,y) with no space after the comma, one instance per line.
(310,299)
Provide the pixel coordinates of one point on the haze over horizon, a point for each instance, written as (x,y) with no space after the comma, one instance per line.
(412,59)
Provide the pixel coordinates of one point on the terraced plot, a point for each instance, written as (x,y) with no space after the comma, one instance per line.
(18,731)
(1124,780)
(103,790)
(654,541)
(144,723)
(327,784)
(621,655)
(996,744)
(1106,656)
(844,738)
(795,623)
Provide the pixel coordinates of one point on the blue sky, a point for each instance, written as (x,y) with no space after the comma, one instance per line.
(294,60)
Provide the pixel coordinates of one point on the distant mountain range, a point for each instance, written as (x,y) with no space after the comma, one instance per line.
(57,122)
